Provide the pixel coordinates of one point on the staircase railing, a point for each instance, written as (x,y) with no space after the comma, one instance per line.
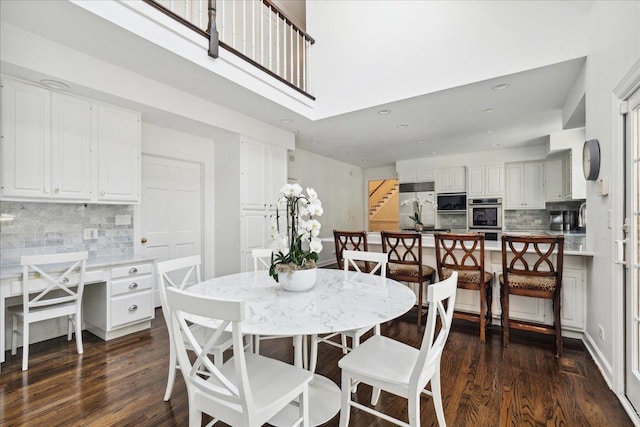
(255,30)
(377,195)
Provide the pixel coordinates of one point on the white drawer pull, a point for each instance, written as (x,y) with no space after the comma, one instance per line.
(133,270)
(133,285)
(133,307)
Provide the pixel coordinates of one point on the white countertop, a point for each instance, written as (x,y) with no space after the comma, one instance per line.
(15,271)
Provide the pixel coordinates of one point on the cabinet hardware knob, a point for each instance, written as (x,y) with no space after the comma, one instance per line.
(64,280)
(133,285)
(133,307)
(143,240)
(102,193)
(46,189)
(133,270)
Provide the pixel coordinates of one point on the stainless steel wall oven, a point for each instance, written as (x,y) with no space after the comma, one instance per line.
(485,213)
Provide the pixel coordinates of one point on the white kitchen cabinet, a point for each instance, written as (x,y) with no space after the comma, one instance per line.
(118,154)
(485,181)
(562,181)
(46,144)
(50,153)
(524,185)
(263,172)
(554,180)
(451,180)
(122,303)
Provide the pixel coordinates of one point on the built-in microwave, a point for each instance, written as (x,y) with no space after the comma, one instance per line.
(485,213)
(452,202)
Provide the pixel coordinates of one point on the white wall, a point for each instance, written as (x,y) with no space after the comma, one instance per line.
(614,46)
(377,51)
(340,187)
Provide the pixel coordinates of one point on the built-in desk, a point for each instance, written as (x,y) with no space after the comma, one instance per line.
(117,300)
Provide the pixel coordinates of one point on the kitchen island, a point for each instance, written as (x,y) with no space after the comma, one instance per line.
(577,257)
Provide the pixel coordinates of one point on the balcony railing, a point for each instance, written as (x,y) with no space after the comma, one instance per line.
(255,30)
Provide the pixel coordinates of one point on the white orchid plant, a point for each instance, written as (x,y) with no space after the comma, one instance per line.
(417,207)
(297,247)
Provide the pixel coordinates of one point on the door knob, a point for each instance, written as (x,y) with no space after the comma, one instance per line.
(143,240)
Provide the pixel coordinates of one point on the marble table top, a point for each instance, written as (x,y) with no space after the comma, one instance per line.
(339,301)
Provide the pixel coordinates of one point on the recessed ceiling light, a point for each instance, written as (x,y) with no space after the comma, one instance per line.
(495,145)
(420,141)
(500,86)
(285,121)
(54,84)
(403,126)
(491,131)
(434,152)
(488,110)
(384,112)
(315,142)
(365,161)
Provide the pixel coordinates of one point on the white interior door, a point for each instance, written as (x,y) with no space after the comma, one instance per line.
(171,209)
(629,252)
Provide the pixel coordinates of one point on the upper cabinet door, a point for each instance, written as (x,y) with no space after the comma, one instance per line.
(26,141)
(494,177)
(253,171)
(118,154)
(476,184)
(71,144)
(277,176)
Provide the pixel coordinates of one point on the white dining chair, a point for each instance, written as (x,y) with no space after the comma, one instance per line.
(351,258)
(246,390)
(400,369)
(49,296)
(179,273)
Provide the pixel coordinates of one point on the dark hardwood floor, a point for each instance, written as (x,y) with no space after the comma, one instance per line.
(122,382)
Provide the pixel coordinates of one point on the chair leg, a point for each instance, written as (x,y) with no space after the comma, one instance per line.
(414,409)
(557,325)
(375,395)
(14,335)
(483,320)
(489,291)
(25,344)
(303,407)
(345,406)
(437,396)
(505,317)
(77,321)
(344,344)
(70,327)
(420,305)
(171,379)
(256,346)
(313,360)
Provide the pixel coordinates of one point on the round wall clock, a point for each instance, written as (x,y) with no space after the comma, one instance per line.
(591,159)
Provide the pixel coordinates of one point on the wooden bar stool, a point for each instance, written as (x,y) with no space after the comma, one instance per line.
(351,241)
(405,262)
(464,253)
(532,273)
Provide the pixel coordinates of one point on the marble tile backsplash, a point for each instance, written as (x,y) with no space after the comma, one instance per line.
(526,220)
(44,228)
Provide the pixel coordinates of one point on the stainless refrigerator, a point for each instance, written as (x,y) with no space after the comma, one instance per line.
(421,190)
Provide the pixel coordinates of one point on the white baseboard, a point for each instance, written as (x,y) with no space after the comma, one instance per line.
(598,358)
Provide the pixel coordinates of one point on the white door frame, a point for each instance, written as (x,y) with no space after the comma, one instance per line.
(627,86)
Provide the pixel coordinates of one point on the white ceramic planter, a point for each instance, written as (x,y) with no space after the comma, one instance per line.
(298,280)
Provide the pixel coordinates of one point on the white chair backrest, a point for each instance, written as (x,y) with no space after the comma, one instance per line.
(177,273)
(58,287)
(202,373)
(261,257)
(380,258)
(432,344)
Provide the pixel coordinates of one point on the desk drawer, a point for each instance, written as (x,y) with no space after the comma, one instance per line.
(131,308)
(129,285)
(131,270)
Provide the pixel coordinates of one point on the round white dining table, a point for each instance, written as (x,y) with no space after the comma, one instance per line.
(339,301)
